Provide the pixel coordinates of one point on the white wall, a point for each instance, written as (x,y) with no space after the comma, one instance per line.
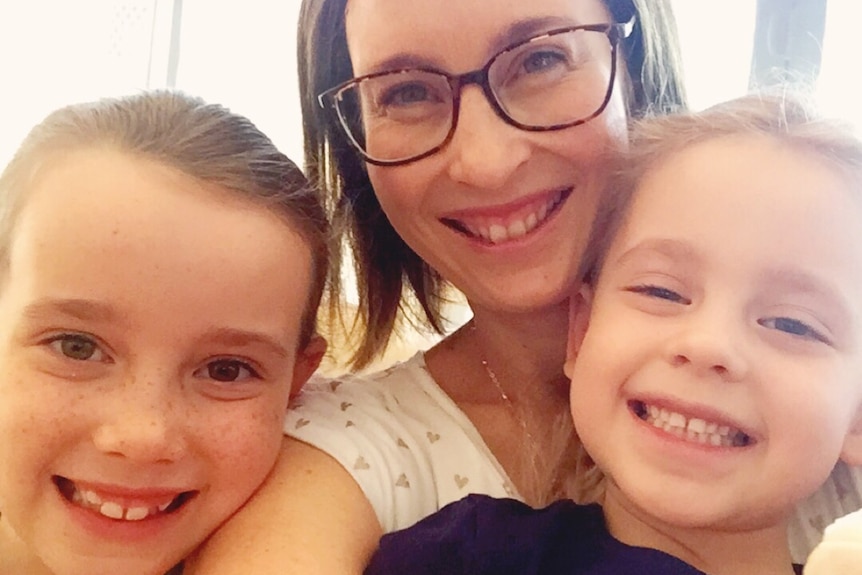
(238,53)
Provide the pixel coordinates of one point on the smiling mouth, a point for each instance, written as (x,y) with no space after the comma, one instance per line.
(691,429)
(103,505)
(495,231)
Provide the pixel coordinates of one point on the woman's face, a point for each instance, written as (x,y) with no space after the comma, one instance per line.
(500,212)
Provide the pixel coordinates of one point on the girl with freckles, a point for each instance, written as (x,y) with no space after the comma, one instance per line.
(160,269)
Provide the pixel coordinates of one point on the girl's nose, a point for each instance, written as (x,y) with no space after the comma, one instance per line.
(706,344)
(142,421)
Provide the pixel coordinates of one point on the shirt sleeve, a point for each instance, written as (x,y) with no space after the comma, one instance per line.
(357,423)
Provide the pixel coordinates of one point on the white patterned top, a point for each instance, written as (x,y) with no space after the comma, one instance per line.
(412,450)
(840,495)
(405,442)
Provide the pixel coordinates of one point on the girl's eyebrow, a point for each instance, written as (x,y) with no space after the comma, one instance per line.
(233,337)
(672,249)
(82,309)
(89,310)
(792,279)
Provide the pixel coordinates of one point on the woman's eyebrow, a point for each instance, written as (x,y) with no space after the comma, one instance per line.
(514,33)
(401,61)
(523,29)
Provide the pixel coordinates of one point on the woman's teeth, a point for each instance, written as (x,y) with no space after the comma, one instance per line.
(497,233)
(691,429)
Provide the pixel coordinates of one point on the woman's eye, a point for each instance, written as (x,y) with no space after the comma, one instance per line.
(541,61)
(77,347)
(227,370)
(406,95)
(793,327)
(660,293)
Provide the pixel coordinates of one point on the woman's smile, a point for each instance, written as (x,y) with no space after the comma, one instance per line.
(503,224)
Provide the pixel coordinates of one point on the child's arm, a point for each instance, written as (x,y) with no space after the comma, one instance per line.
(309,517)
(840,551)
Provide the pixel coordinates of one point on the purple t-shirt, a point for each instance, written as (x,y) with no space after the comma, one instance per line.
(480,534)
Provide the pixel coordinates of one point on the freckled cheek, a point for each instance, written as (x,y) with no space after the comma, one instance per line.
(31,442)
(248,437)
(31,414)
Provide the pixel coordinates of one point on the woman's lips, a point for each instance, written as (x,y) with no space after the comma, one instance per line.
(499,229)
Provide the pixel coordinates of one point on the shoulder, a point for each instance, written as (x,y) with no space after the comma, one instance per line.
(402,393)
(382,388)
(405,442)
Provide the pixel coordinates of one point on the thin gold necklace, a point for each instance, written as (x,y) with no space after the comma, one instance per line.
(540,473)
(510,405)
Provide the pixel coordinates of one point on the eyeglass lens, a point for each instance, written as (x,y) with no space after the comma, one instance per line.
(552,80)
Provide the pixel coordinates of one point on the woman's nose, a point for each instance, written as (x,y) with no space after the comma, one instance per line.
(484,151)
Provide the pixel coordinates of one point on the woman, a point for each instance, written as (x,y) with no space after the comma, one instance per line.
(498,206)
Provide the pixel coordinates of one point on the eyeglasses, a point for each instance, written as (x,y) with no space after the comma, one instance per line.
(555,80)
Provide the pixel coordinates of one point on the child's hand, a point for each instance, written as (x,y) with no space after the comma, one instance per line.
(840,551)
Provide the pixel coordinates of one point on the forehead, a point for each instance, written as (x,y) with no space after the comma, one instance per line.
(107,226)
(750,197)
(107,180)
(761,173)
(455,35)
(122,200)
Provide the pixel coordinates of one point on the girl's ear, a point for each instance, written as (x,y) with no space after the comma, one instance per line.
(851,452)
(307,361)
(579,320)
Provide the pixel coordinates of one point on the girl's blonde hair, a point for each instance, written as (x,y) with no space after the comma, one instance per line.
(788,117)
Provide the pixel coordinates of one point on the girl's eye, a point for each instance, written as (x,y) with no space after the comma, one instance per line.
(659,293)
(77,347)
(227,370)
(793,327)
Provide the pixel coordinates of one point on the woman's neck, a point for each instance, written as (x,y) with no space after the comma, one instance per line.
(505,372)
(522,349)
(717,551)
